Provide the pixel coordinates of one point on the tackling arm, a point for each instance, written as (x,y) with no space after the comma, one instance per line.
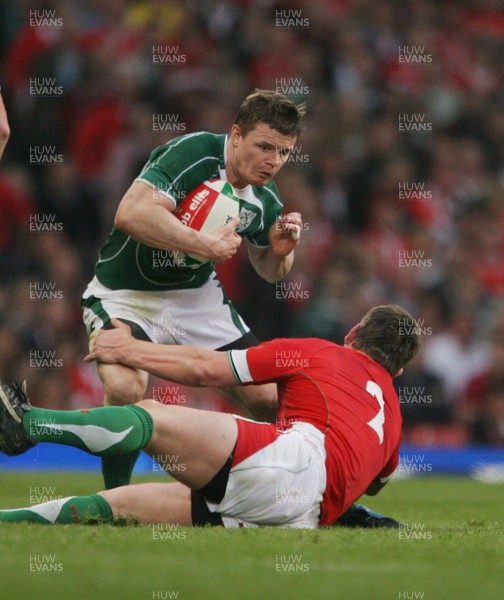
(146,217)
(187,365)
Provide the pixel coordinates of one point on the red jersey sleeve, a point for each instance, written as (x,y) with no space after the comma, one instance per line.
(273,360)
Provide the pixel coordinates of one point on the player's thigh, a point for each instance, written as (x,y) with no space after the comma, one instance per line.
(192,445)
(152,502)
(139,309)
(123,385)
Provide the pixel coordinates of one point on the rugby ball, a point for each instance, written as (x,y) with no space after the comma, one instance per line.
(206,208)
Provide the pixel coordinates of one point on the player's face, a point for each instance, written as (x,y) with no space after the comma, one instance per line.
(256,157)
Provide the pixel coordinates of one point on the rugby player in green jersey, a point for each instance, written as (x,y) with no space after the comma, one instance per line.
(137,278)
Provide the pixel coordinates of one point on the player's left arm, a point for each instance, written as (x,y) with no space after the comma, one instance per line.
(376,485)
(385,476)
(274,262)
(187,365)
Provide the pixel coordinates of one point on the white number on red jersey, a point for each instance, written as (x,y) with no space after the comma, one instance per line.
(377,422)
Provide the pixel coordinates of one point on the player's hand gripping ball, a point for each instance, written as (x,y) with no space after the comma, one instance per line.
(208,207)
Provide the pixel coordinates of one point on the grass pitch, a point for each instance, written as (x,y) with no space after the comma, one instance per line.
(451,547)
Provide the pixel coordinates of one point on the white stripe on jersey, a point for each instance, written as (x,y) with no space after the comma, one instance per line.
(274,196)
(240,366)
(102,260)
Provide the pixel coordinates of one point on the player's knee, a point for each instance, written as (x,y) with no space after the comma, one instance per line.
(161,415)
(121,391)
(151,406)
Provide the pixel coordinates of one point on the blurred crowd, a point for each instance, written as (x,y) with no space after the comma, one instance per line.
(398,173)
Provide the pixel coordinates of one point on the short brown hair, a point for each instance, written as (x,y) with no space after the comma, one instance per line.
(389,335)
(272,108)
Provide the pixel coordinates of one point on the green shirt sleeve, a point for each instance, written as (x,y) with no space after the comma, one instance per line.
(272,211)
(177,167)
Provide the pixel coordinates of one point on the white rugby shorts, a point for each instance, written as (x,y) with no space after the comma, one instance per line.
(276,478)
(200,316)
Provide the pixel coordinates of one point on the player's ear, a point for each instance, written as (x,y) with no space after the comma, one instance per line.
(236,133)
(400,372)
(350,336)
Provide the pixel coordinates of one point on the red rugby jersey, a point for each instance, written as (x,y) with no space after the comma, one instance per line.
(343,393)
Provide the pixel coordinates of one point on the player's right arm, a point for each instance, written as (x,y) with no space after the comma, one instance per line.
(190,365)
(187,365)
(4,127)
(147,217)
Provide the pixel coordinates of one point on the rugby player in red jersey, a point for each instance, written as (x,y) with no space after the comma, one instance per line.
(337,434)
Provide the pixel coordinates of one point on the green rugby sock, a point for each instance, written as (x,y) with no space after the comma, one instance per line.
(107,431)
(117,470)
(72,510)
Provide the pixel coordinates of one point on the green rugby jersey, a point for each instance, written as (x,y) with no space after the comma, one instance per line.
(174,170)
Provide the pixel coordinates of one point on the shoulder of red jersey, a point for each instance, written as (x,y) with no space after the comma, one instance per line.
(275,359)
